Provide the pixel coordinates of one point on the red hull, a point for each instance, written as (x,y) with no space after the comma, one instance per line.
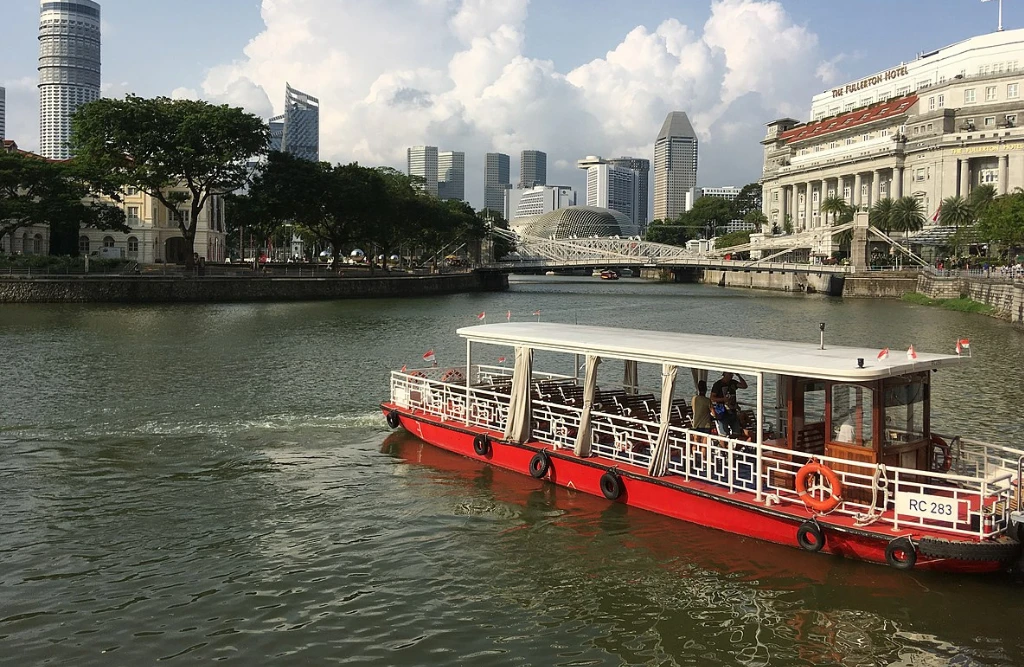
(694,502)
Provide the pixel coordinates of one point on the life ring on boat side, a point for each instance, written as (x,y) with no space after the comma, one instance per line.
(901,554)
(835,487)
(393,419)
(810,537)
(540,464)
(611,485)
(453,375)
(939,446)
(482,445)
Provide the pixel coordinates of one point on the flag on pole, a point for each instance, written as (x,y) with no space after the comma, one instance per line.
(508,316)
(935,218)
(403,368)
(884,354)
(482,315)
(428,356)
(501,360)
(537,315)
(911,354)
(962,344)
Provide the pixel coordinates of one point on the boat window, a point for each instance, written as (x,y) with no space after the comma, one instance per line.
(904,409)
(852,415)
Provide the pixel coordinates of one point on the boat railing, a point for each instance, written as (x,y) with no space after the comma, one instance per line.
(487,374)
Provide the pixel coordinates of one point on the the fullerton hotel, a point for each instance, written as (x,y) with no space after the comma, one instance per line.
(938,126)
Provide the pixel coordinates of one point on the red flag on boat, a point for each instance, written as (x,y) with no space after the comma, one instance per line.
(911,354)
(962,344)
(508,316)
(884,354)
(403,368)
(428,356)
(501,360)
(481,316)
(537,313)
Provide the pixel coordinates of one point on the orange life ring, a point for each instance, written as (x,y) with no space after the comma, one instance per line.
(835,497)
(417,374)
(947,454)
(453,375)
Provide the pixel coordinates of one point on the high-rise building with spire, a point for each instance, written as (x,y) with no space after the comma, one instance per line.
(675,166)
(69,69)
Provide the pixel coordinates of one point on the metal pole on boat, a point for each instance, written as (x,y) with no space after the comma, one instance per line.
(760,435)
(821,327)
(469,378)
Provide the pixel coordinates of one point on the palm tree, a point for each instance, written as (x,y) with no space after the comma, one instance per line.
(907,216)
(980,199)
(957,212)
(837,206)
(880,215)
(756,218)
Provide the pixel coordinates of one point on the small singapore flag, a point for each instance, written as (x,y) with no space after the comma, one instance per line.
(403,368)
(963,344)
(884,354)
(428,356)
(508,316)
(911,354)
(482,315)
(501,360)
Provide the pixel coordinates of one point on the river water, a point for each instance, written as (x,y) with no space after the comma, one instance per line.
(186,483)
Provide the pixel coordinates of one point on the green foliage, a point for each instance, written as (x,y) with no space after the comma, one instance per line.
(747,201)
(757,218)
(34,191)
(837,208)
(961,305)
(181,152)
(1002,222)
(732,239)
(787,224)
(907,215)
(708,214)
(981,198)
(880,215)
(60,264)
(669,233)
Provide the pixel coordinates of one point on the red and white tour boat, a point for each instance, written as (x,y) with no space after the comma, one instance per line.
(837,452)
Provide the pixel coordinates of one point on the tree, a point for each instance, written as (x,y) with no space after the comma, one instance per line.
(1002,222)
(732,239)
(670,233)
(907,215)
(180,152)
(748,200)
(981,198)
(35,191)
(880,215)
(834,206)
(708,214)
(757,218)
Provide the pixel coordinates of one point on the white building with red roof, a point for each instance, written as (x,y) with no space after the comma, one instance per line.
(938,126)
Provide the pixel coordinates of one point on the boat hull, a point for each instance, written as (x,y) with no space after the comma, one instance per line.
(662,496)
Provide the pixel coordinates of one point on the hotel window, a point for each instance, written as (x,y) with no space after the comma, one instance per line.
(130,192)
(990,93)
(848,107)
(849,141)
(903,90)
(1011,66)
(990,121)
(831,144)
(775,196)
(931,104)
(1012,91)
(884,133)
(865,137)
(133,212)
(941,101)
(930,127)
(1011,119)
(920,174)
(969,96)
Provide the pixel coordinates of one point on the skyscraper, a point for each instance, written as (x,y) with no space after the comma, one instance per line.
(533,169)
(69,69)
(451,175)
(675,166)
(422,161)
(297,130)
(3,111)
(642,168)
(496,181)
(615,186)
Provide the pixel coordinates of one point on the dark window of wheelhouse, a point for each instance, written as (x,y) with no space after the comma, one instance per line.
(904,409)
(853,415)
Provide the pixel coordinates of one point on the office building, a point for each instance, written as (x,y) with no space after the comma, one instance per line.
(727,192)
(451,175)
(496,181)
(3,112)
(69,69)
(642,168)
(533,169)
(526,202)
(421,162)
(940,125)
(675,166)
(297,130)
(613,187)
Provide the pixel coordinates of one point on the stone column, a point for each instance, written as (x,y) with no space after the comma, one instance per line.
(897,177)
(808,207)
(855,195)
(782,205)
(859,244)
(876,186)
(1004,168)
(965,177)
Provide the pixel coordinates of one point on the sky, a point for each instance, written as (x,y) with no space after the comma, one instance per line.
(569,77)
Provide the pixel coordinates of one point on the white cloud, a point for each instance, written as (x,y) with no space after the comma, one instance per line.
(454,73)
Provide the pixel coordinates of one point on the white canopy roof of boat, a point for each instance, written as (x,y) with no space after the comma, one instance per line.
(710,352)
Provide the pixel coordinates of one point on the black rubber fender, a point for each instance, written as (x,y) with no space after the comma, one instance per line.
(482,445)
(810,536)
(540,464)
(611,485)
(1002,550)
(901,554)
(393,419)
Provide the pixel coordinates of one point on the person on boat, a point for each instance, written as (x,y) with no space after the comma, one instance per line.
(700,407)
(723,393)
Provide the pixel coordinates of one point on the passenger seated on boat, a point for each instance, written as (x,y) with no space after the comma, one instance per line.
(846,433)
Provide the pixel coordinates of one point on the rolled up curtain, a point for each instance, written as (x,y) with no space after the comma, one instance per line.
(584,437)
(520,405)
(629,377)
(660,455)
(698,375)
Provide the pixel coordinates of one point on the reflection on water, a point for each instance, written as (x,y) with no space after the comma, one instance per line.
(208,482)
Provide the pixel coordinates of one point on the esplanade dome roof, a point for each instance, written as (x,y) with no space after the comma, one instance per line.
(576,221)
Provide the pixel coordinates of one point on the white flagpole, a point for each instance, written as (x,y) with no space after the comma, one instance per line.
(1000,15)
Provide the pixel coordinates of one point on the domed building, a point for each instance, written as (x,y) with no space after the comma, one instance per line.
(576,221)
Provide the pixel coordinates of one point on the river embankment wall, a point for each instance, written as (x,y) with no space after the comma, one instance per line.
(226,289)
(1005,297)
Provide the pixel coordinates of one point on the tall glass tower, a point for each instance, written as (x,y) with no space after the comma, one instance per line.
(495,181)
(533,169)
(451,175)
(297,130)
(675,166)
(69,69)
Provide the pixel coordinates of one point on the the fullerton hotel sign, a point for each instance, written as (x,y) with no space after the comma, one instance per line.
(894,73)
